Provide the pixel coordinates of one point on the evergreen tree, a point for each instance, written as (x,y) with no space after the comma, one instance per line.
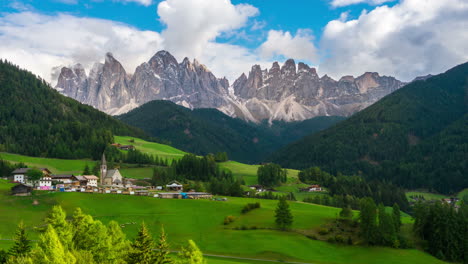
(386,229)
(162,249)
(141,251)
(97,170)
(34,175)
(368,219)
(283,216)
(346,212)
(86,170)
(396,217)
(3,256)
(191,254)
(51,250)
(22,245)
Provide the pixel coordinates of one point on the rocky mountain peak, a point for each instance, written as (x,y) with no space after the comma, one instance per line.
(289,92)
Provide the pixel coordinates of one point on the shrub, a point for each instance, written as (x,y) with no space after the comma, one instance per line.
(331,240)
(323,231)
(249,207)
(228,219)
(339,239)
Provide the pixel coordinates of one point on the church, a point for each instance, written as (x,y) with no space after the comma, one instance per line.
(110,177)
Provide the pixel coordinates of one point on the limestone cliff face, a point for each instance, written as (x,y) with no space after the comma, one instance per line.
(289,92)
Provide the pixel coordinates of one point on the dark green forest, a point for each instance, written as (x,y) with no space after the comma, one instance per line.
(415,137)
(204,131)
(36,120)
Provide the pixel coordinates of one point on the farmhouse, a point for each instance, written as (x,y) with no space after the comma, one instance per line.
(174,186)
(63,178)
(91,180)
(258,188)
(21,190)
(312,188)
(20,176)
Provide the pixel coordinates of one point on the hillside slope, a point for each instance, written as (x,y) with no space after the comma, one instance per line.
(36,120)
(415,137)
(204,131)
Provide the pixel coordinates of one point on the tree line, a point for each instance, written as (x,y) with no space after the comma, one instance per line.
(356,186)
(191,168)
(84,240)
(444,229)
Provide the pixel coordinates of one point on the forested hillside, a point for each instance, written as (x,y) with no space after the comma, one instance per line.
(204,131)
(36,120)
(415,137)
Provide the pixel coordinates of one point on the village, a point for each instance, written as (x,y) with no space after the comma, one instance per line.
(110,182)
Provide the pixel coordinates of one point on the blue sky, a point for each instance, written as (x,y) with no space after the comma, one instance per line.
(402,38)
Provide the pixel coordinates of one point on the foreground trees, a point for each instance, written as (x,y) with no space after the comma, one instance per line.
(84,240)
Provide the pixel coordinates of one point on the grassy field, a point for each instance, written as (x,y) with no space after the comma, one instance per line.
(57,166)
(462,193)
(201,220)
(161,150)
(426,195)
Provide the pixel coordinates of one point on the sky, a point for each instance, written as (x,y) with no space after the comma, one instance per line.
(400,38)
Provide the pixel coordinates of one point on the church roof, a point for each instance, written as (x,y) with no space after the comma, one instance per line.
(111,173)
(103,161)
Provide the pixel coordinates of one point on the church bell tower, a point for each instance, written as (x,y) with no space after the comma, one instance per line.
(103,168)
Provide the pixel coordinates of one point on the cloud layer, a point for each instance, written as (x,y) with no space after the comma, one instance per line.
(411,38)
(414,37)
(340,3)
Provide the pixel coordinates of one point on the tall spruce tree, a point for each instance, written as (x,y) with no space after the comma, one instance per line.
(162,249)
(283,216)
(22,245)
(396,217)
(386,228)
(368,220)
(86,170)
(141,251)
(57,218)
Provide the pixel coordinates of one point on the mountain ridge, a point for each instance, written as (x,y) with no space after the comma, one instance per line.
(286,92)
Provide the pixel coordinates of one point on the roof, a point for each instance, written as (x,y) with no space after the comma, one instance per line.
(174,182)
(22,186)
(21,170)
(90,177)
(80,178)
(24,170)
(103,161)
(111,173)
(62,176)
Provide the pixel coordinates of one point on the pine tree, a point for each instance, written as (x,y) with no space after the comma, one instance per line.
(162,249)
(386,228)
(119,245)
(191,254)
(141,251)
(396,217)
(284,218)
(22,245)
(96,170)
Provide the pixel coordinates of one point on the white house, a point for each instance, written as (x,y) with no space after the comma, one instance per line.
(44,183)
(19,175)
(91,180)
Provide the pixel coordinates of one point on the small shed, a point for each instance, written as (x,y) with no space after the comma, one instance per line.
(21,190)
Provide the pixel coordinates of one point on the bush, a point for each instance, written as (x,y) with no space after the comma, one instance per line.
(323,231)
(228,219)
(339,239)
(249,207)
(331,240)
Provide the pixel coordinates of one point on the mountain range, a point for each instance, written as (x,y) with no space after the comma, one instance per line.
(291,92)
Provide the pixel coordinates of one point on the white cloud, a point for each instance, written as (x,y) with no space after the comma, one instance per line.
(141,2)
(40,42)
(414,37)
(192,25)
(282,43)
(340,3)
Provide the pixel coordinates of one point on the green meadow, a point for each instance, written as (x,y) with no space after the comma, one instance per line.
(161,150)
(202,221)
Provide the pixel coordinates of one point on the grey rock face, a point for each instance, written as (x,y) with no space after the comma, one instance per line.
(290,92)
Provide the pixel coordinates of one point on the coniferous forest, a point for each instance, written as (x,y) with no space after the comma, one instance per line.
(36,120)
